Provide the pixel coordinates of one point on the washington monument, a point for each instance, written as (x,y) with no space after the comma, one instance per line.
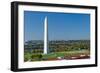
(45,51)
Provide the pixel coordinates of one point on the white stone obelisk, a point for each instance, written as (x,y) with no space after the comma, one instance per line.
(45,51)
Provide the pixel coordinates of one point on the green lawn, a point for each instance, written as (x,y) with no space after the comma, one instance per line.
(44,57)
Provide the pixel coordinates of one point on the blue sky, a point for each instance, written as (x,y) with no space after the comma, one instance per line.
(61,26)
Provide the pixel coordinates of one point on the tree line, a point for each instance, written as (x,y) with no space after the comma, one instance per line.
(57,46)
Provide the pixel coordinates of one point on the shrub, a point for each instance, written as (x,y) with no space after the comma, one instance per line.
(36,57)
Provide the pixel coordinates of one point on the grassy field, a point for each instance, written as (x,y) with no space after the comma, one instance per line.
(69,55)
